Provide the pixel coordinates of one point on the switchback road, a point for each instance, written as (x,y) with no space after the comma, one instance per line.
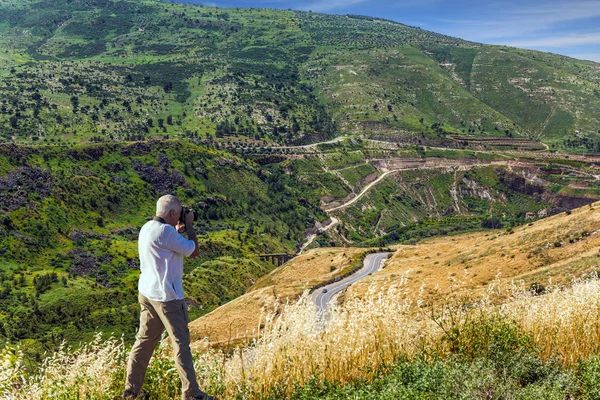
(324,295)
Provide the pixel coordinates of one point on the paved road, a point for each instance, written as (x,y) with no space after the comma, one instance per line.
(371,264)
(308,146)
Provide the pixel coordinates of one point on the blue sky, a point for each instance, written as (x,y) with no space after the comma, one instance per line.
(570,28)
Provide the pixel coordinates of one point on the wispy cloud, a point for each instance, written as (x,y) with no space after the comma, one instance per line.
(566,27)
(550,13)
(503,19)
(558,41)
(586,56)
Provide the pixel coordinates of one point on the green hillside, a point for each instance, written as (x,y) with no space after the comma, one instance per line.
(69,219)
(70,215)
(126,70)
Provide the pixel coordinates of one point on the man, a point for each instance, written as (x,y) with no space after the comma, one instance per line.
(161,249)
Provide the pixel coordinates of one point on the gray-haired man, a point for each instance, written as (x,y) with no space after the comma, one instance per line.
(161,249)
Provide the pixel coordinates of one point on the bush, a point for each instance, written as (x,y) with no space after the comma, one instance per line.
(491,223)
(44,281)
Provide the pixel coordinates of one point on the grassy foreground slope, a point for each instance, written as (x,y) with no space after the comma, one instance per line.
(122,70)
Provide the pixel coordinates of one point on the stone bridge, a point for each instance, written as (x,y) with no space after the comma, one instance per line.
(278,259)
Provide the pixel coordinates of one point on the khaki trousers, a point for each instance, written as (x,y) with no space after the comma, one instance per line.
(155,317)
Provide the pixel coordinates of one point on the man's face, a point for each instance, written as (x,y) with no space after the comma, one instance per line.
(173,215)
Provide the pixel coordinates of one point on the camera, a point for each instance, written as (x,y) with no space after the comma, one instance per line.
(184,212)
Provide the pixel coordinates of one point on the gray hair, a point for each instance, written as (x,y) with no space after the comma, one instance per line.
(167,203)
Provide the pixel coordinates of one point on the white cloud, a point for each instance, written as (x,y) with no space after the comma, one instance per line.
(587,57)
(550,13)
(497,20)
(558,41)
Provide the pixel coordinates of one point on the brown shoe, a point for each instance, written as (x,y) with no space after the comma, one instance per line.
(129,395)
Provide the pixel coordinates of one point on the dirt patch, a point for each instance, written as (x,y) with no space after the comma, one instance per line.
(162,181)
(367,179)
(337,202)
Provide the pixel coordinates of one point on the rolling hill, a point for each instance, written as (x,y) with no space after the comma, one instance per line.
(552,251)
(123,70)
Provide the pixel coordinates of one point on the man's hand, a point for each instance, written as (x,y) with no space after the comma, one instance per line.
(189,230)
(180,227)
(189,217)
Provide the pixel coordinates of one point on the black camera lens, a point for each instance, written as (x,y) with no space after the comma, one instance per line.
(185,211)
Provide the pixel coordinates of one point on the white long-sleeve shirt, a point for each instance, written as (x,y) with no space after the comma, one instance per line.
(161,249)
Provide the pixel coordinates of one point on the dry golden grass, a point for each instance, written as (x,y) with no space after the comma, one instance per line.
(564,323)
(361,337)
(553,249)
(65,374)
(241,318)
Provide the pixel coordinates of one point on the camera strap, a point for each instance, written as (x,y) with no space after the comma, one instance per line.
(159,219)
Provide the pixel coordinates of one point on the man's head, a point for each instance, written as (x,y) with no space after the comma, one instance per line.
(168,208)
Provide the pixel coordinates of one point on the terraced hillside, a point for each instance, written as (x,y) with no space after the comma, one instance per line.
(384,196)
(124,70)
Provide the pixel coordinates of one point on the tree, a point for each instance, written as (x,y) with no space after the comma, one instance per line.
(75,103)
(14,122)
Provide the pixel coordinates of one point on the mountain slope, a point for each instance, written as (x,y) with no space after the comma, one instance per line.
(104,70)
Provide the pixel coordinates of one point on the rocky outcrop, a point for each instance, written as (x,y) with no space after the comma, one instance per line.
(21,184)
(162,181)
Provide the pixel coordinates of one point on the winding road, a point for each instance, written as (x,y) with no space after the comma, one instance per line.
(311,238)
(363,192)
(325,294)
